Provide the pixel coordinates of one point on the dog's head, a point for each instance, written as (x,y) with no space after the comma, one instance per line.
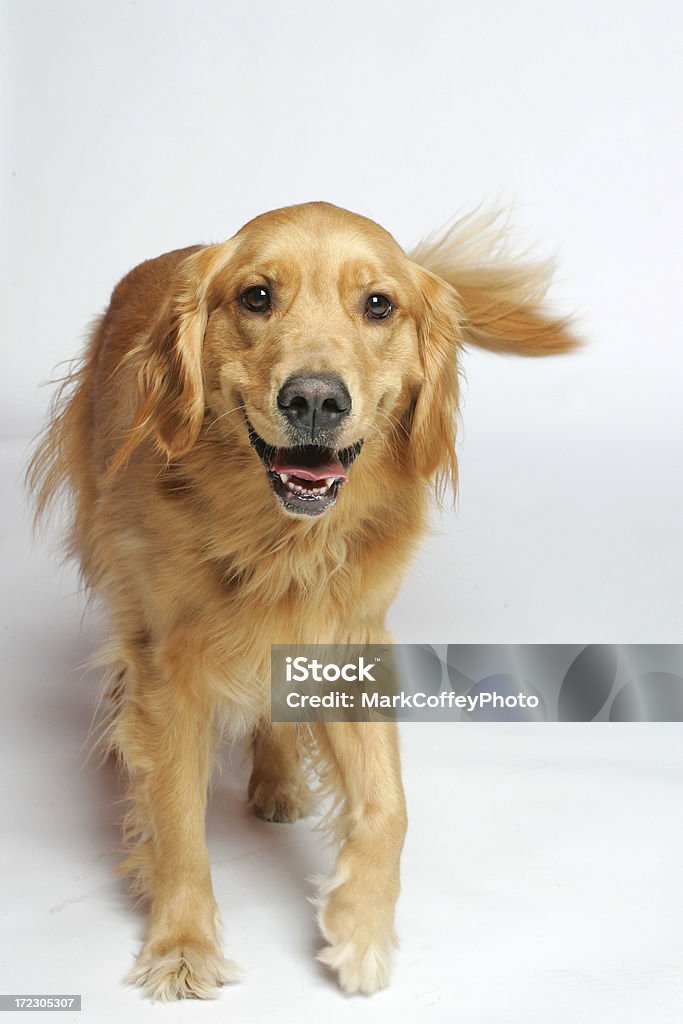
(310,335)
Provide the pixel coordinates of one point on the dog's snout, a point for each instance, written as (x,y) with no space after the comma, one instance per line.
(314,403)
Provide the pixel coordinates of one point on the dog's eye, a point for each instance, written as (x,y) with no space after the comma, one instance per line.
(257,299)
(378,307)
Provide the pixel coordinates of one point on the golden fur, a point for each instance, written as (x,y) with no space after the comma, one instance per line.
(176,527)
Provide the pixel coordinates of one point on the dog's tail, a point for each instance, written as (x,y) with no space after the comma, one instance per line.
(502,298)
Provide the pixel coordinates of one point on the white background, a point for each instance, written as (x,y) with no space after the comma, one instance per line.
(543,865)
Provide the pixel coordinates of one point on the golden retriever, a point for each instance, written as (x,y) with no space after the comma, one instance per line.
(250,444)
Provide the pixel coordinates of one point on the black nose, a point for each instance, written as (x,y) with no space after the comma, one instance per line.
(314,403)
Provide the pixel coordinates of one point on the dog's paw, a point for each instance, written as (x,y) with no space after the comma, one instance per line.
(281,801)
(184,972)
(361,965)
(361,939)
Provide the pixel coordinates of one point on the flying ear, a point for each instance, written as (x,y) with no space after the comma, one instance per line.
(168,370)
(434,414)
(502,299)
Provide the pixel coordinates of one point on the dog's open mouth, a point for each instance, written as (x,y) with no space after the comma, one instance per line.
(307,478)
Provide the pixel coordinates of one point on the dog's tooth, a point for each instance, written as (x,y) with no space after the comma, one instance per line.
(284,477)
(330,480)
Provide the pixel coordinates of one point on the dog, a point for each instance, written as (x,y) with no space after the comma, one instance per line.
(251,444)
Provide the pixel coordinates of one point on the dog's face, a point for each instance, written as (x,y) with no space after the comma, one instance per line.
(316,339)
(316,327)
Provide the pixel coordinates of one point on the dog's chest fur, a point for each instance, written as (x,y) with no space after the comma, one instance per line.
(230,582)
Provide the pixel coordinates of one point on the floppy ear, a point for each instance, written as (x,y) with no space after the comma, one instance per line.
(502,298)
(434,414)
(169,374)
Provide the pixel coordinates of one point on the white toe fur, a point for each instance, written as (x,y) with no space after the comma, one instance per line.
(362,959)
(361,968)
(184,973)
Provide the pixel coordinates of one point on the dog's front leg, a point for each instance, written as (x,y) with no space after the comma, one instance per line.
(164,733)
(357,903)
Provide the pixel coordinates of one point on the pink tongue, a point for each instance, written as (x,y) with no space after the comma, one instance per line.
(321,471)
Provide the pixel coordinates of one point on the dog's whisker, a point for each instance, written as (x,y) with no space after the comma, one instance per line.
(222,416)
